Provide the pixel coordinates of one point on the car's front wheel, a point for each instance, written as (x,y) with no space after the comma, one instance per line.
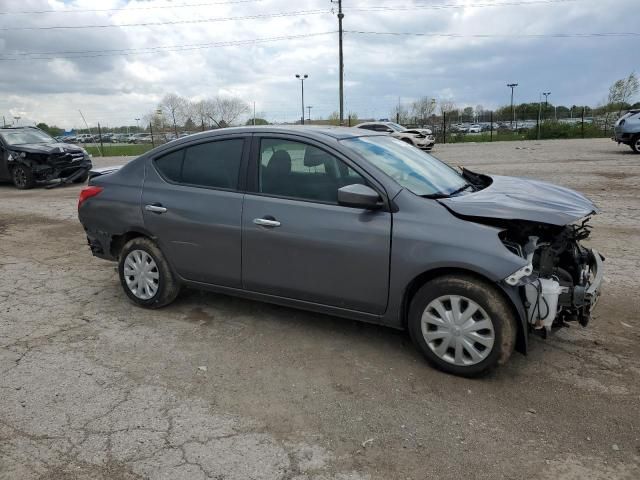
(462,325)
(22,177)
(635,144)
(145,275)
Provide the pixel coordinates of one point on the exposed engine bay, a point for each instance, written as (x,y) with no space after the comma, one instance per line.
(561,280)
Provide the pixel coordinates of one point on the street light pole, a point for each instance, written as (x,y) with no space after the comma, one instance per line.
(137,124)
(513,112)
(340,59)
(302,78)
(546,102)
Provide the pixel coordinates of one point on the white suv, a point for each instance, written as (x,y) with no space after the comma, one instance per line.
(418,137)
(627,130)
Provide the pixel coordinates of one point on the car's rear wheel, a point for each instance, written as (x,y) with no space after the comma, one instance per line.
(145,275)
(462,325)
(635,144)
(22,177)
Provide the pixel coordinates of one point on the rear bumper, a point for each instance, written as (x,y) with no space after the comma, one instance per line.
(100,244)
(623,137)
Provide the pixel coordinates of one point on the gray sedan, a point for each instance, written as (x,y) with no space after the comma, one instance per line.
(351,223)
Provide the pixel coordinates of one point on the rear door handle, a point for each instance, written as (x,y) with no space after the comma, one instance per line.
(155,208)
(265,222)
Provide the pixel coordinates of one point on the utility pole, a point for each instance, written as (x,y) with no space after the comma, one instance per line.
(546,102)
(302,79)
(341,59)
(137,124)
(309,107)
(539,115)
(513,112)
(254,114)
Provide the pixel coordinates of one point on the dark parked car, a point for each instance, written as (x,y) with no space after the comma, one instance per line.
(29,156)
(351,223)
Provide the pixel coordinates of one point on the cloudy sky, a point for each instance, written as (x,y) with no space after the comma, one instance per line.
(115,59)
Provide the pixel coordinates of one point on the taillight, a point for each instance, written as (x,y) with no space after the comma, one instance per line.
(88,192)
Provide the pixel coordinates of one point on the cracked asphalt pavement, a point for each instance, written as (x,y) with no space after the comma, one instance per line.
(213,387)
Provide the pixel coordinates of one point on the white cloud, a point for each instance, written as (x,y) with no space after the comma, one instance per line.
(378,69)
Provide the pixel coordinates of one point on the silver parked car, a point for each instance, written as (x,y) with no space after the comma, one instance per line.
(351,223)
(627,130)
(418,137)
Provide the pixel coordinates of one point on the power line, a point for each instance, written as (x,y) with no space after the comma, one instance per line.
(173,22)
(70,54)
(153,7)
(516,35)
(383,8)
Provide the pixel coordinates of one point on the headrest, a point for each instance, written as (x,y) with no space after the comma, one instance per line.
(280,162)
(314,157)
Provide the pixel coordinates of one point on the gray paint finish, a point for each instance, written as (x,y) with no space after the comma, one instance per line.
(320,253)
(199,232)
(339,260)
(513,198)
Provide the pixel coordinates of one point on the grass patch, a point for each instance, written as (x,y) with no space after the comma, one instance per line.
(132,150)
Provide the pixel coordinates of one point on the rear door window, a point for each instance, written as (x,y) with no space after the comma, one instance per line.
(212,164)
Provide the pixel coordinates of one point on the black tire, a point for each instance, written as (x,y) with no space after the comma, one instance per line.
(408,140)
(22,177)
(168,286)
(82,178)
(484,295)
(635,144)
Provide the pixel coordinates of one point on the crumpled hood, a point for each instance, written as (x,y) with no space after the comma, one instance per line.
(45,148)
(419,131)
(514,198)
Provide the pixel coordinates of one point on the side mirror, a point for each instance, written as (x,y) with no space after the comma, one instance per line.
(359,196)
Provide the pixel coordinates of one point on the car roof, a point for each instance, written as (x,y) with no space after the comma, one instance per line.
(19,127)
(318,132)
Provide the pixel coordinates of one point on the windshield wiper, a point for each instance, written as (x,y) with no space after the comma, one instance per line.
(435,195)
(464,187)
(447,195)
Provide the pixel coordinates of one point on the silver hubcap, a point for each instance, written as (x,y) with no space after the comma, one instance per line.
(458,330)
(638,145)
(141,274)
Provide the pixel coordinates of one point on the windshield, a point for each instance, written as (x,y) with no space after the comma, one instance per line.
(413,169)
(22,137)
(396,127)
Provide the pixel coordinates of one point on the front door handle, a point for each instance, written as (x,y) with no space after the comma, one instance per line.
(155,208)
(266,222)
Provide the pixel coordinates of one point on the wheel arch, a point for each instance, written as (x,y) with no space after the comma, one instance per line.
(511,296)
(119,241)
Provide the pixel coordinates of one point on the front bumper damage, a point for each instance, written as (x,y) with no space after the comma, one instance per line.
(551,303)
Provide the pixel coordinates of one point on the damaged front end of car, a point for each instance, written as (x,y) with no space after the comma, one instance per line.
(562,278)
(52,164)
(559,278)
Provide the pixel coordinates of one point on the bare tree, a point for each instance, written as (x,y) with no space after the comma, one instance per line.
(334,118)
(423,108)
(623,90)
(174,107)
(227,110)
(400,114)
(479,110)
(201,112)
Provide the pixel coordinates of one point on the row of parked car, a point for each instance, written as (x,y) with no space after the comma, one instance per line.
(121,138)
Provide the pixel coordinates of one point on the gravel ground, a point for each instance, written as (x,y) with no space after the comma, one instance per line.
(92,387)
